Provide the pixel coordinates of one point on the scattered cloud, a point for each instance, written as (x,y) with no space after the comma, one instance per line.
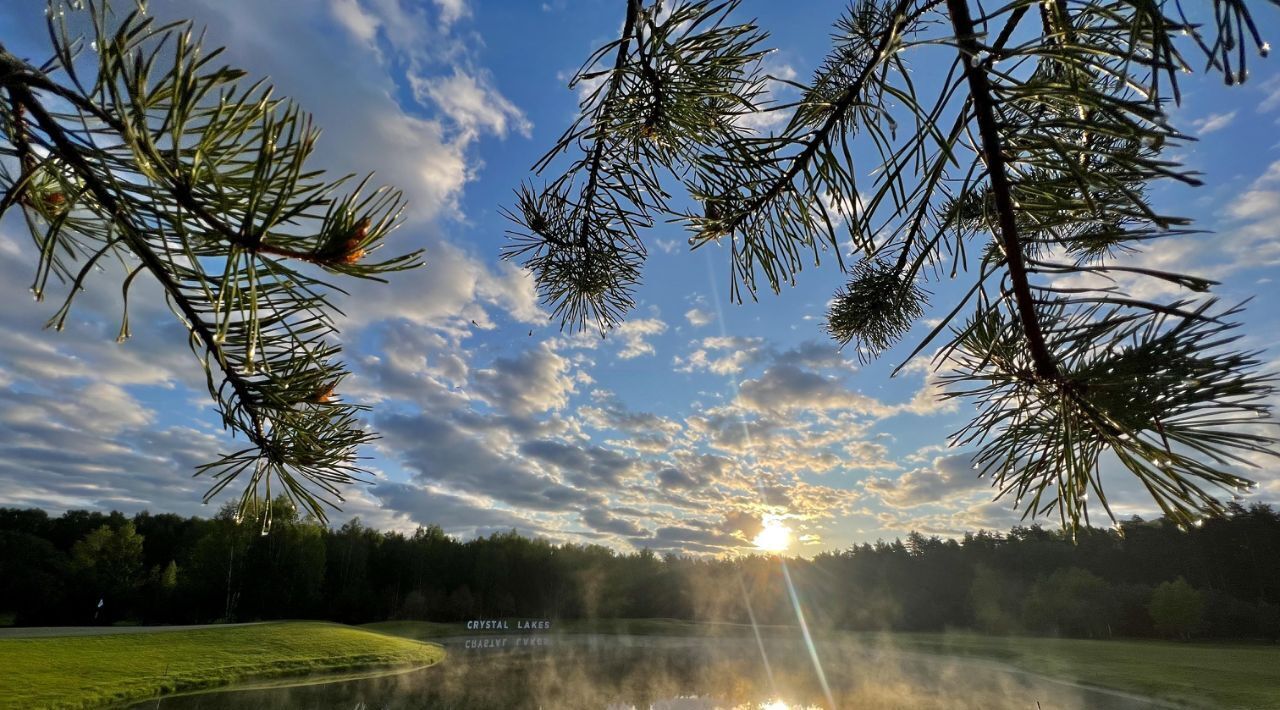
(1213,122)
(698,317)
(945,477)
(636,335)
(452,10)
(471,102)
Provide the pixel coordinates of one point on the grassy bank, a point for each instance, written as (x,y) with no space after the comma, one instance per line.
(94,671)
(1198,674)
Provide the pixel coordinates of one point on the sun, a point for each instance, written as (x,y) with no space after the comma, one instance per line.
(775,536)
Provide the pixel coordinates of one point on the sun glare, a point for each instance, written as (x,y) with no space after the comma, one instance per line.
(774,537)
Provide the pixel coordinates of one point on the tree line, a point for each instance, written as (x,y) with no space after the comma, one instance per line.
(1138,579)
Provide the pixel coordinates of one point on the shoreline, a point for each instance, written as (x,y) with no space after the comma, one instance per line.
(112,670)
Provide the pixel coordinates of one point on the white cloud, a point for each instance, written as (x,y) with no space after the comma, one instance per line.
(946,477)
(785,388)
(532,382)
(471,102)
(1271,101)
(452,10)
(1213,122)
(449,292)
(1244,240)
(1255,203)
(698,317)
(362,25)
(722,355)
(635,335)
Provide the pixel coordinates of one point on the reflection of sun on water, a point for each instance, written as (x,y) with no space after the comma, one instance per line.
(774,537)
(776,704)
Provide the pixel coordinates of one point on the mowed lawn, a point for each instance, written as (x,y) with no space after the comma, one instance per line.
(1198,674)
(93,671)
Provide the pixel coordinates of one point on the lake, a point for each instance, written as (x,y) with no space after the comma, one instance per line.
(677,673)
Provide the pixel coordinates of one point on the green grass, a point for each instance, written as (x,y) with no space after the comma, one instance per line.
(1238,675)
(419,630)
(96,671)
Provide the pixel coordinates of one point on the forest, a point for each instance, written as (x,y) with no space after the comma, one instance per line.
(1141,578)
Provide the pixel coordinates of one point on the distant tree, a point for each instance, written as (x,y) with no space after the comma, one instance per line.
(1070,602)
(132,146)
(168,577)
(33,578)
(1268,621)
(110,561)
(1026,162)
(462,603)
(990,599)
(1177,609)
(284,564)
(160,593)
(1030,580)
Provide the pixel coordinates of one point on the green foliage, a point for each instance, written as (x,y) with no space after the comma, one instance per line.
(875,310)
(992,602)
(110,560)
(1037,146)
(1070,602)
(168,578)
(1177,609)
(133,145)
(674,84)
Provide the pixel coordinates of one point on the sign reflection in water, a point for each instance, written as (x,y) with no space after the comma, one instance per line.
(670,673)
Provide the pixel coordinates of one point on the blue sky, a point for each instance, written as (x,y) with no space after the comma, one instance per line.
(492,418)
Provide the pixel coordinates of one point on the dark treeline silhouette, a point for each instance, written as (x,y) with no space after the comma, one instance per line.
(1219,580)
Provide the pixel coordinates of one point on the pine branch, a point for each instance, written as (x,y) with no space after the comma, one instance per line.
(606,108)
(837,117)
(675,86)
(993,154)
(1068,133)
(157,172)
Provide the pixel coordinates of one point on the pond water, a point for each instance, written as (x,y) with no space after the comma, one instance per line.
(676,673)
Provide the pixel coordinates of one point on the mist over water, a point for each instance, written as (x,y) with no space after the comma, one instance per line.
(677,673)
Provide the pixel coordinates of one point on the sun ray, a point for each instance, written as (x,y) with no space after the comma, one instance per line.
(808,638)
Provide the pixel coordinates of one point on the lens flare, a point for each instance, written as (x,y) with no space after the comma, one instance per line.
(774,537)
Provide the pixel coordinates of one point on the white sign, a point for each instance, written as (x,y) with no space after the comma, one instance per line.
(507,625)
